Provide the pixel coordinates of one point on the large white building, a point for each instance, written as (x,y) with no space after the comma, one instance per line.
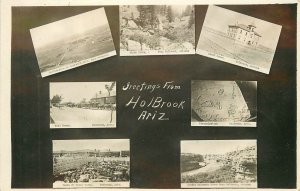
(244,34)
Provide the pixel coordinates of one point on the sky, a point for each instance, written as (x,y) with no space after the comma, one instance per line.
(68,27)
(219,18)
(98,144)
(214,146)
(76,91)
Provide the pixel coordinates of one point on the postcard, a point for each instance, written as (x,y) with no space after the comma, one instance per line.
(157,30)
(224,103)
(72,42)
(91,163)
(82,104)
(238,39)
(218,164)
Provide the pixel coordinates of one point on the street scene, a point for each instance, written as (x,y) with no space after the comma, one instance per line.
(219,163)
(91,163)
(83,105)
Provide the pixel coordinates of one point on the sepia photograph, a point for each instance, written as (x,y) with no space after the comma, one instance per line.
(72,42)
(91,163)
(218,164)
(82,104)
(223,103)
(157,29)
(238,39)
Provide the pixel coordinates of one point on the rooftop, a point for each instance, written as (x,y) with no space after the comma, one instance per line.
(244,27)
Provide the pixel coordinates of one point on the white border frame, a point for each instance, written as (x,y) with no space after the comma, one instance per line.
(5,71)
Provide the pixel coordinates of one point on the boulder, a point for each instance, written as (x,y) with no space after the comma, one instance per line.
(146,47)
(123,22)
(127,32)
(185,18)
(151,32)
(164,42)
(188,45)
(133,45)
(175,46)
(132,24)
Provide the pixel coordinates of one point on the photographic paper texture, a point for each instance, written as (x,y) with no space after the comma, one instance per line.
(238,39)
(82,104)
(218,164)
(72,42)
(91,163)
(224,103)
(157,29)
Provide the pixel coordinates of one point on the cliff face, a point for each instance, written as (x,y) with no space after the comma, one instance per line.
(248,154)
(244,163)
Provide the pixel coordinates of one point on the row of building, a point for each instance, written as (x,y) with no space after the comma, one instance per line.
(99,101)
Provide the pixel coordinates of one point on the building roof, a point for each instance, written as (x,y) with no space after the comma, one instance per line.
(244,27)
(105,94)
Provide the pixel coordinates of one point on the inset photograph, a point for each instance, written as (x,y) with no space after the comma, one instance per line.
(82,105)
(72,42)
(224,103)
(91,163)
(157,30)
(238,39)
(218,164)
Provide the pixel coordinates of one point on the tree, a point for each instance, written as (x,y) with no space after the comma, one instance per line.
(163,10)
(142,9)
(56,99)
(153,17)
(147,16)
(249,166)
(170,15)
(109,88)
(191,19)
(187,11)
(153,41)
(140,37)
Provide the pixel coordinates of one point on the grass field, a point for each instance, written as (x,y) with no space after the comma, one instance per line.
(92,43)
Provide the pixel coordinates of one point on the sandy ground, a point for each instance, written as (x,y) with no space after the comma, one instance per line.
(69,115)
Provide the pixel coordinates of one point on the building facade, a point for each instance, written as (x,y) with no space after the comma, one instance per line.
(244,34)
(104,100)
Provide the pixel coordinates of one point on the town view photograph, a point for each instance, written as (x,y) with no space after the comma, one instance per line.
(91,163)
(82,104)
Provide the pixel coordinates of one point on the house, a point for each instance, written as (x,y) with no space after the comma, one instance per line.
(244,34)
